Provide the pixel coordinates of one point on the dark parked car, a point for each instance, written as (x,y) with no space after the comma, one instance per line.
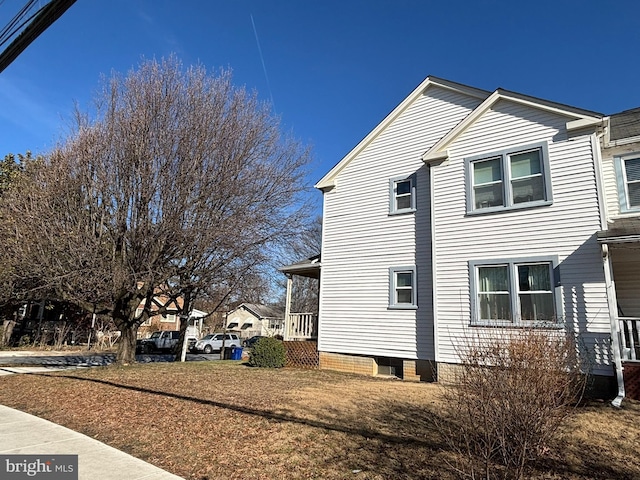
(162,341)
(250,342)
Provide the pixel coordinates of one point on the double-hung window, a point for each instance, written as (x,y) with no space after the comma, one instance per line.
(402,288)
(512,292)
(628,176)
(139,312)
(402,195)
(511,178)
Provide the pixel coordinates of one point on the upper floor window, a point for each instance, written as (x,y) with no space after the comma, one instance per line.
(521,291)
(511,178)
(628,176)
(139,312)
(402,288)
(402,195)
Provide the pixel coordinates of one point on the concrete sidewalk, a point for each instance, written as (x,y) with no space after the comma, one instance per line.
(22,433)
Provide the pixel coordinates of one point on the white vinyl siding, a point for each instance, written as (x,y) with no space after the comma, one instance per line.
(361,241)
(565,229)
(610,180)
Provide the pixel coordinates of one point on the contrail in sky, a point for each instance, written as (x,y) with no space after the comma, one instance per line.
(264,67)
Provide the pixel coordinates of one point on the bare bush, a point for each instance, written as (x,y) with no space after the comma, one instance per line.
(511,393)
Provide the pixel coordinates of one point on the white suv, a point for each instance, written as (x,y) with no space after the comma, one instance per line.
(213,341)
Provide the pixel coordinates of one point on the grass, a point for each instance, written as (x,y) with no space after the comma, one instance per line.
(214,420)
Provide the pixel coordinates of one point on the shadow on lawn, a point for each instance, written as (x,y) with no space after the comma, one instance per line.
(364,432)
(393,439)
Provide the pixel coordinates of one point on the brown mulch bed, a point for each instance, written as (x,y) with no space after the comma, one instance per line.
(215,420)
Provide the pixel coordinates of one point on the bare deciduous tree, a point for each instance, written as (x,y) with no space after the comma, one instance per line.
(178,182)
(305,291)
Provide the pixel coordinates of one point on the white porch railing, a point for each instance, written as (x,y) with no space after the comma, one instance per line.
(629,339)
(302,326)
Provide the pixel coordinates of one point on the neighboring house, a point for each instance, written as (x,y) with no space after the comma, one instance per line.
(170,320)
(464,210)
(250,319)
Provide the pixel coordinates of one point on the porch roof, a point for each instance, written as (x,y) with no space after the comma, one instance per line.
(621,230)
(309,267)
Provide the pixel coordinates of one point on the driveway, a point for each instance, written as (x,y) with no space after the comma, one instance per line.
(12,361)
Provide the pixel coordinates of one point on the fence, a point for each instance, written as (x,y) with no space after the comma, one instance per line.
(302,354)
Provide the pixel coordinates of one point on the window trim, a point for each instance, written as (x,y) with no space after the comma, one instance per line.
(507,191)
(512,264)
(621,181)
(393,304)
(169,317)
(392,194)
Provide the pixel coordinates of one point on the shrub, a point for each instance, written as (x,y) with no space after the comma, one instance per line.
(267,352)
(511,394)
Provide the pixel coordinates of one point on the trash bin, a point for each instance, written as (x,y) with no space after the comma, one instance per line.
(236,353)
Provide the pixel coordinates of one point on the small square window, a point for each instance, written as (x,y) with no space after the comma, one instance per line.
(402,288)
(402,195)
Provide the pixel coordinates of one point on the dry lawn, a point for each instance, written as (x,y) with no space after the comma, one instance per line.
(215,420)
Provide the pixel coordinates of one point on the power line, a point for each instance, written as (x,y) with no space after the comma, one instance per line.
(12,28)
(37,24)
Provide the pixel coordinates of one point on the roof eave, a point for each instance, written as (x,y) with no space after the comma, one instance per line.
(581,119)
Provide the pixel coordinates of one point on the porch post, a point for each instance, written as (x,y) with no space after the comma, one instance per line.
(615,324)
(287,307)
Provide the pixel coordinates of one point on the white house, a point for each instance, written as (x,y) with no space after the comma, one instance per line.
(462,210)
(249,319)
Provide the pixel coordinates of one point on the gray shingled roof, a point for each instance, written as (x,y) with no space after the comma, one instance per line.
(625,124)
(263,311)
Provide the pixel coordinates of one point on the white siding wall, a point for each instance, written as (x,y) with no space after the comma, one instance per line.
(609,182)
(566,228)
(361,241)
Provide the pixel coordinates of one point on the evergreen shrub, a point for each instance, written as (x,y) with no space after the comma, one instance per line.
(267,352)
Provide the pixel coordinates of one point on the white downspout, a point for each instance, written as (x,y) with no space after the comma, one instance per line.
(612,302)
(615,325)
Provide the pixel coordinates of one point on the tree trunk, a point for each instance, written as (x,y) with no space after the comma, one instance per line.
(126,353)
(181,352)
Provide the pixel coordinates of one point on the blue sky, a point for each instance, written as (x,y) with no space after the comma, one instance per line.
(334,68)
